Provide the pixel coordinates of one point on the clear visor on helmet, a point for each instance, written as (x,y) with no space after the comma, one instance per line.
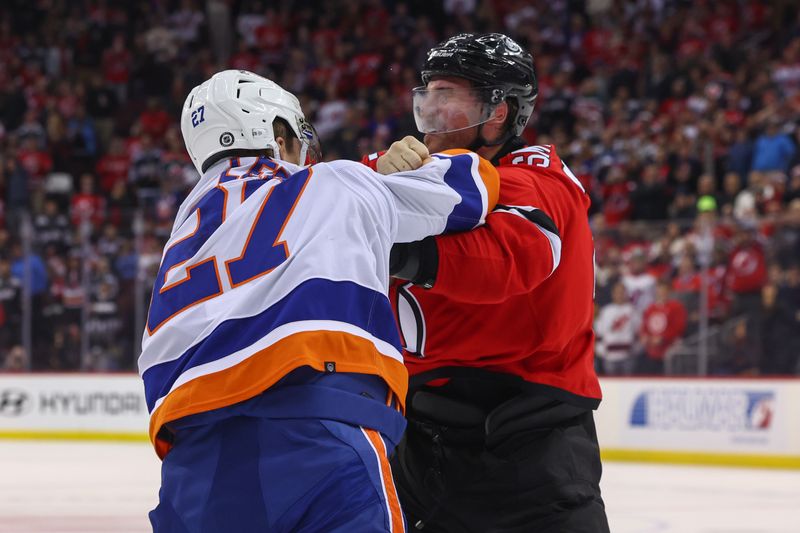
(447,109)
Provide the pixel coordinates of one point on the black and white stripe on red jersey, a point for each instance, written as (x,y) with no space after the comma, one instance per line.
(543,223)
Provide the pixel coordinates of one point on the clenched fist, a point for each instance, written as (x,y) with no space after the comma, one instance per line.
(403,155)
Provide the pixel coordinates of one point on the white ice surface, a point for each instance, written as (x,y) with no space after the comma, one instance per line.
(72,487)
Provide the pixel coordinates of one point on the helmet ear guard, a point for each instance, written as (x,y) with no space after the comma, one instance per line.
(498,94)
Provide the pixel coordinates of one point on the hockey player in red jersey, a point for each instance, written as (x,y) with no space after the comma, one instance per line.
(497,322)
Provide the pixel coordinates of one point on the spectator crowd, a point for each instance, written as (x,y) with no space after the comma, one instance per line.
(682,120)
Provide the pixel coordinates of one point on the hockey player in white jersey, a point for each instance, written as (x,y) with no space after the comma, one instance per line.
(271,361)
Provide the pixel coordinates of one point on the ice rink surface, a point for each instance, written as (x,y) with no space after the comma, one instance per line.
(79,487)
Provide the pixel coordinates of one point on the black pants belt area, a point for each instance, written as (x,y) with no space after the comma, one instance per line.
(480,458)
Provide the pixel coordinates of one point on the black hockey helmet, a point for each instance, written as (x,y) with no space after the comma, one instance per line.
(488,60)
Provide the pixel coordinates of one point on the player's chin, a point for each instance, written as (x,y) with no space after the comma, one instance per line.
(436,142)
(439,142)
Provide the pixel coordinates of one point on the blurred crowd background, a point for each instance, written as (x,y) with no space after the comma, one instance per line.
(681,118)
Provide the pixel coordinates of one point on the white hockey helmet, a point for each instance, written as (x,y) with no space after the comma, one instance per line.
(234,110)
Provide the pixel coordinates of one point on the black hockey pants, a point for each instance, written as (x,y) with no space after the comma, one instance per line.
(530,465)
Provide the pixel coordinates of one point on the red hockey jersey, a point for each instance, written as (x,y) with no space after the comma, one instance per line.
(515,295)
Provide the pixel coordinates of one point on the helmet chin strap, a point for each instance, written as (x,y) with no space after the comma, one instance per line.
(276,149)
(480,141)
(303,153)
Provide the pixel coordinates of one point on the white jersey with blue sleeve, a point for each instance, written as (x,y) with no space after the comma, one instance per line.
(271,267)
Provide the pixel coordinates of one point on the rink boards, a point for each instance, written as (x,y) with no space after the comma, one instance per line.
(64,406)
(744,422)
(741,422)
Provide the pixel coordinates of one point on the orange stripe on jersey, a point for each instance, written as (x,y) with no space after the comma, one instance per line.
(392,501)
(264,368)
(488,175)
(491,179)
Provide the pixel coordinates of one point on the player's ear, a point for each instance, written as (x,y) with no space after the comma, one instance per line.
(493,128)
(285,149)
(290,149)
(500,115)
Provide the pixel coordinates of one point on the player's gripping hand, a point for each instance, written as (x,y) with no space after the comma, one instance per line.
(403,155)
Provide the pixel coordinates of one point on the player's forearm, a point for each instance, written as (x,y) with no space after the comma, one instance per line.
(505,258)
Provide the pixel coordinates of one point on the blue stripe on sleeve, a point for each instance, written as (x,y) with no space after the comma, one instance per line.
(315,299)
(468,213)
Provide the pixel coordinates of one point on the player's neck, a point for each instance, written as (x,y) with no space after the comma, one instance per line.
(488,152)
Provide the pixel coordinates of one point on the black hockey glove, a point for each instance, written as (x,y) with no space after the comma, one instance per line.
(417,262)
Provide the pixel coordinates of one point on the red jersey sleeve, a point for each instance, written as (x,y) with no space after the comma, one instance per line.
(520,245)
(371,160)
(512,254)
